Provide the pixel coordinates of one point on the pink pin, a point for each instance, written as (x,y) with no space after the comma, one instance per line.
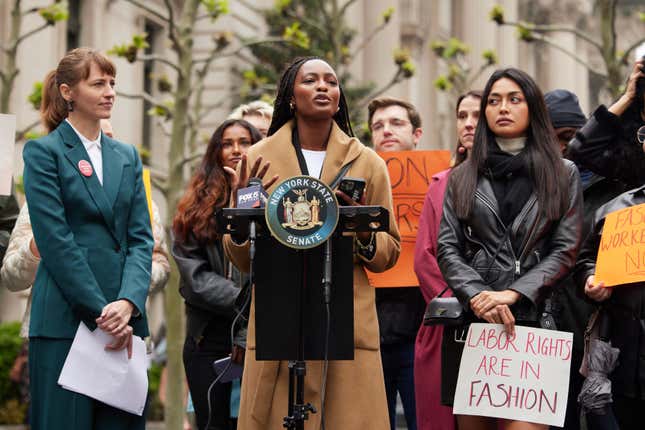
(85,167)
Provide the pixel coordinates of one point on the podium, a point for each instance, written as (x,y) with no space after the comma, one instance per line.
(291,319)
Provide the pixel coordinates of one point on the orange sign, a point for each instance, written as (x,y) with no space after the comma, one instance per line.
(410,175)
(621,255)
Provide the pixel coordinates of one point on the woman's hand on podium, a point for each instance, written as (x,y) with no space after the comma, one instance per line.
(242,180)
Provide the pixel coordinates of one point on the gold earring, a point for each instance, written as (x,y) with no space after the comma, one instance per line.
(292,107)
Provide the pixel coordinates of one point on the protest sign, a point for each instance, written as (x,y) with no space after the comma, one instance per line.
(522,377)
(147,185)
(621,255)
(7,144)
(410,173)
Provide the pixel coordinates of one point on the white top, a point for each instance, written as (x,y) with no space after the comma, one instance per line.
(314,161)
(93,148)
(512,146)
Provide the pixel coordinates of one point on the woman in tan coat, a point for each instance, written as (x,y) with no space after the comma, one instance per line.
(310,108)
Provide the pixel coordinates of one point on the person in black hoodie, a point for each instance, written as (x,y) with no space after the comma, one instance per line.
(607,144)
(570,310)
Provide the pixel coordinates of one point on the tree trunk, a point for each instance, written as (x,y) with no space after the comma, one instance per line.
(10,70)
(175,408)
(607,13)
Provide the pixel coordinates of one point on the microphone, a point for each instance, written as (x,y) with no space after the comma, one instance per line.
(252,196)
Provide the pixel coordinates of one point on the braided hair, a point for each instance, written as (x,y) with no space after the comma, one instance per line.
(282,112)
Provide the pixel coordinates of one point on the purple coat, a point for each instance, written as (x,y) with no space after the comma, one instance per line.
(431,414)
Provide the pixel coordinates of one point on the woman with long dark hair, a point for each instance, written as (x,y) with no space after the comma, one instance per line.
(91,225)
(208,284)
(511,221)
(310,134)
(431,414)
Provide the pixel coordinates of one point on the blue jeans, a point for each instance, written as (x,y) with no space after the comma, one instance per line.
(398,370)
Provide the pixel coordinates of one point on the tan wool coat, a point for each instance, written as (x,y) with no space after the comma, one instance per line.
(355,393)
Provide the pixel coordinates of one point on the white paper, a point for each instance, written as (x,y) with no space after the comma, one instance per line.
(523,378)
(107,376)
(7,152)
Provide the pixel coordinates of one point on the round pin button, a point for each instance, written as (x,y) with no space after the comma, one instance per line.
(85,167)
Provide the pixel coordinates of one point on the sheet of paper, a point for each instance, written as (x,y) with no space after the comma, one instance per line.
(107,376)
(7,144)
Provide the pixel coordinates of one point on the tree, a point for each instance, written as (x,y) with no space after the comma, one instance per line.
(615,60)
(51,14)
(319,28)
(460,77)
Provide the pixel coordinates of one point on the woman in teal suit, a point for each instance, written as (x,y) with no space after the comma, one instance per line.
(92,227)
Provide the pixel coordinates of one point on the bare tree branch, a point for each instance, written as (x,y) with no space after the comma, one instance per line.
(572,54)
(150,10)
(543,28)
(241,48)
(160,59)
(189,159)
(20,134)
(141,96)
(159,183)
(29,33)
(172,26)
(344,7)
(398,77)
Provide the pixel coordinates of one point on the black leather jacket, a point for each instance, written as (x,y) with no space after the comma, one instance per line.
(625,307)
(212,299)
(477,254)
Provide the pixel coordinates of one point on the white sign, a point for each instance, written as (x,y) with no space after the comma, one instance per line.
(523,377)
(7,144)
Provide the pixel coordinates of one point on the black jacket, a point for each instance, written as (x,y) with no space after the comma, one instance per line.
(625,307)
(212,299)
(476,254)
(607,145)
(571,309)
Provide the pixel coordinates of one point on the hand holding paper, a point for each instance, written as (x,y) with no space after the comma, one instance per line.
(105,375)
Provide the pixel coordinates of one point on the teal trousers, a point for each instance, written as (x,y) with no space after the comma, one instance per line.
(54,408)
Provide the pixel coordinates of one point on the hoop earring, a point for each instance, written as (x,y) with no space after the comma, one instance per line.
(70,106)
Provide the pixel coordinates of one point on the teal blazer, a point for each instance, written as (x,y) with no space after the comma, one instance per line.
(95,240)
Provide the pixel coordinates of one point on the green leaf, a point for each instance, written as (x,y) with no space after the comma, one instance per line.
(438,47)
(215,8)
(442,83)
(525,31)
(641,16)
(296,36)
(455,47)
(387,14)
(55,12)
(129,51)
(281,5)
(497,14)
(36,96)
(401,56)
(490,57)
(408,69)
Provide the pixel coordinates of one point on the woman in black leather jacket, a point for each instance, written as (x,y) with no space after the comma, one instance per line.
(511,220)
(210,286)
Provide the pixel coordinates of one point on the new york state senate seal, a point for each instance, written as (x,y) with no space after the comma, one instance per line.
(302,212)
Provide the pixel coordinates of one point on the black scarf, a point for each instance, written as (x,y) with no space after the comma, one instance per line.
(511,180)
